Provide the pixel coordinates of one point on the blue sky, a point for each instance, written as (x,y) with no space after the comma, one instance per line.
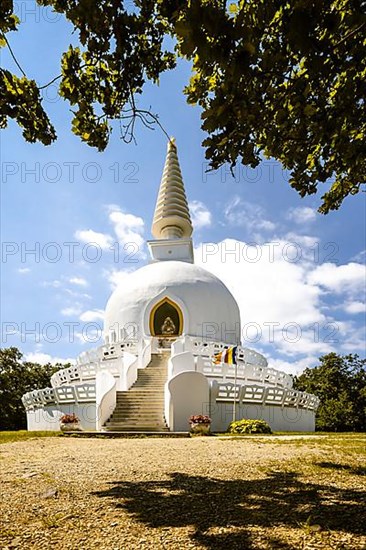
(298,276)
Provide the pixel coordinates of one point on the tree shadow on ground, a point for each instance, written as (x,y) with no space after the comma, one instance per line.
(357,471)
(279,499)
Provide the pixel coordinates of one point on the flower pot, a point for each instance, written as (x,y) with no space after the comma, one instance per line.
(70,427)
(200,428)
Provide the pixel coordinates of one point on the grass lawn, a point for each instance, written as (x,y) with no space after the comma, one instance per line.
(22,435)
(290,491)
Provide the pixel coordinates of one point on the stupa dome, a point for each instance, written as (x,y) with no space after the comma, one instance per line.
(203,306)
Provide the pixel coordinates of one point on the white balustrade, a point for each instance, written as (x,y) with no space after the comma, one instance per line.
(291,398)
(274,396)
(48,395)
(88,371)
(227,392)
(82,393)
(145,356)
(252,394)
(251,366)
(85,393)
(262,395)
(256,382)
(65,394)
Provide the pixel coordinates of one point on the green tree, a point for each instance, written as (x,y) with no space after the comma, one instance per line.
(273,79)
(340,383)
(16,378)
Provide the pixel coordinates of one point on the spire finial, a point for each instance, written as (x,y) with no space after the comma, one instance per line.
(172,143)
(171,217)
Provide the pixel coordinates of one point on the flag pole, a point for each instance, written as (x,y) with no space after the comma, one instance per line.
(235,376)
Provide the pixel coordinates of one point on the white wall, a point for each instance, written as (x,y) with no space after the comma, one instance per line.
(106,397)
(279,418)
(48,418)
(186,394)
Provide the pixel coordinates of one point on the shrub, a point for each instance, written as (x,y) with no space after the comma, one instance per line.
(247,426)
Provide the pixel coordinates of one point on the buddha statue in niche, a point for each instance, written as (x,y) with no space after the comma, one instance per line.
(168,327)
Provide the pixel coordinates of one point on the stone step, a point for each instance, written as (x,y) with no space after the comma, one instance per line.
(136,408)
(139,425)
(148,383)
(149,389)
(150,376)
(139,412)
(145,389)
(154,381)
(135,395)
(132,414)
(141,403)
(145,420)
(133,410)
(130,427)
(144,407)
(158,375)
(158,411)
(141,399)
(141,429)
(151,373)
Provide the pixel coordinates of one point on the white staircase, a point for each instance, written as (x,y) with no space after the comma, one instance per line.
(141,408)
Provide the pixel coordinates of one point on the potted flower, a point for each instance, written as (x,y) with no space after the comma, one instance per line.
(200,424)
(69,423)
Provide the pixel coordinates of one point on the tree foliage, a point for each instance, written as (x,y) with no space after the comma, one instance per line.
(273,79)
(17,377)
(340,383)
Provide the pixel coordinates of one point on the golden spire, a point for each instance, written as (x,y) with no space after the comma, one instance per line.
(171,217)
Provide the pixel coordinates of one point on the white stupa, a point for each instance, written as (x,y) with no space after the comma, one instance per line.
(162,329)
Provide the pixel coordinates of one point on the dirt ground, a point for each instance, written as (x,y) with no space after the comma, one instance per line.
(204,492)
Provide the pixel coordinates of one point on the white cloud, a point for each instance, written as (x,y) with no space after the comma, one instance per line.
(349,277)
(293,367)
(78,295)
(360,257)
(245,214)
(301,214)
(201,216)
(354,340)
(282,301)
(92,315)
(129,230)
(354,307)
(305,341)
(89,236)
(79,281)
(43,358)
(271,289)
(71,311)
(23,270)
(55,284)
(91,338)
(117,277)
(311,244)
